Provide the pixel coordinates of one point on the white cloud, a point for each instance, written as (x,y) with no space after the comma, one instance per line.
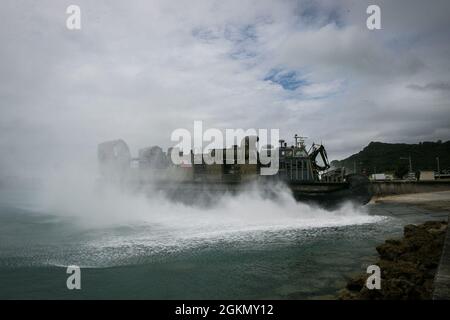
(138,71)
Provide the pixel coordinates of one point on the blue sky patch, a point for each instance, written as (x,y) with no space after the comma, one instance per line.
(312,13)
(289,80)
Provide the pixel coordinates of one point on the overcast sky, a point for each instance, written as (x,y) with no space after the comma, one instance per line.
(137,70)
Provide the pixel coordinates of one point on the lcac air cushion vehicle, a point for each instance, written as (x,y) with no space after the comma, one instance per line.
(305,173)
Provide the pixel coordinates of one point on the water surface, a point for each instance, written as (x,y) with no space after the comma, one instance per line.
(246,248)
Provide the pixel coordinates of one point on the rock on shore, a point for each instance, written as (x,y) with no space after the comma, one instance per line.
(408,265)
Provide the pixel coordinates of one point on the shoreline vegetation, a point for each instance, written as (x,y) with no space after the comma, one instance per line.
(408,265)
(387,157)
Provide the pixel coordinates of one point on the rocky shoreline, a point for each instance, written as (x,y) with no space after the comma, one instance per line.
(408,265)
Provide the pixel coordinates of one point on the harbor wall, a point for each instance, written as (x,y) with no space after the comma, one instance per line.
(384,188)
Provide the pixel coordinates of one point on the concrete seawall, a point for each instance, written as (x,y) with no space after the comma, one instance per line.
(385,188)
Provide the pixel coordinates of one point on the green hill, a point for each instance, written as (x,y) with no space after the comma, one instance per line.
(385,157)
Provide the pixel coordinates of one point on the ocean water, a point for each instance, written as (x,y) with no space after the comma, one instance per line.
(131,246)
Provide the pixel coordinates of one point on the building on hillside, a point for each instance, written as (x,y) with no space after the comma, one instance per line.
(411,176)
(442,175)
(426,175)
(382,176)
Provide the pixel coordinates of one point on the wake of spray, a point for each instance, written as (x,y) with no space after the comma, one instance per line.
(79,196)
